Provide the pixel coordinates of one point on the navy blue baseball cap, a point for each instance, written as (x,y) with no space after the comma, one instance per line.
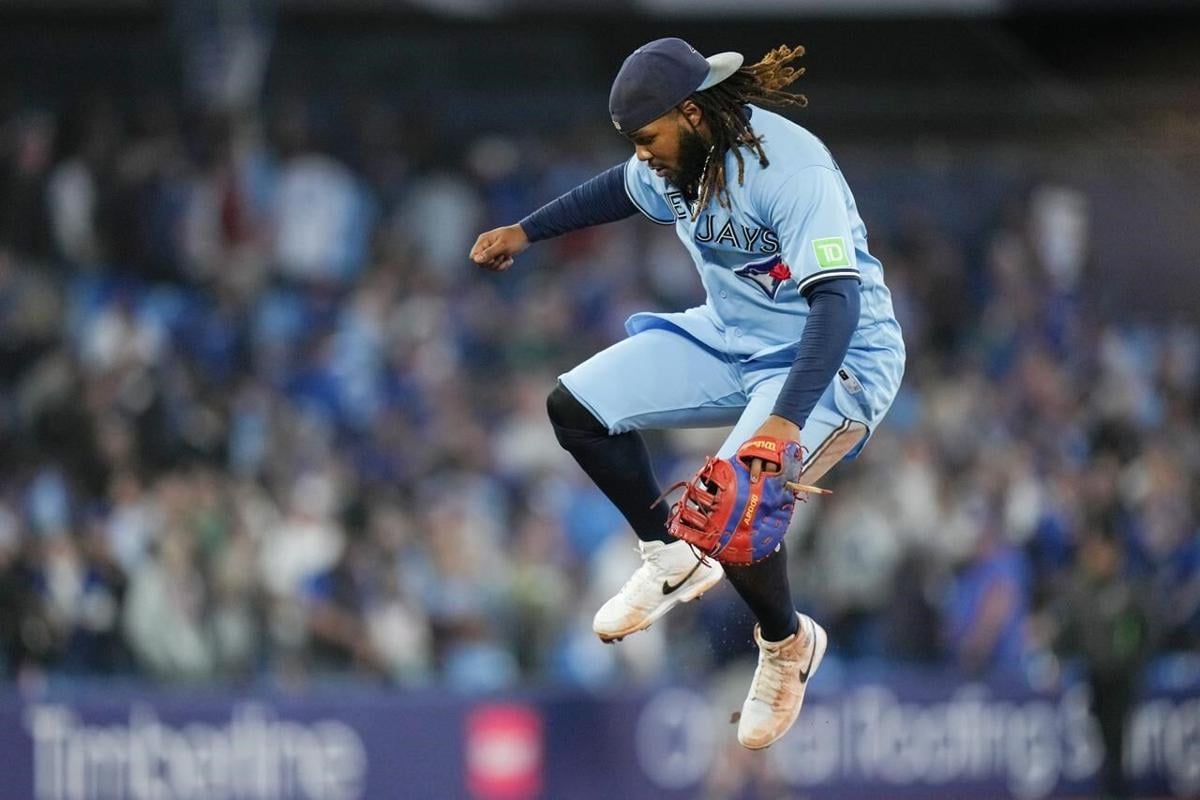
(659,76)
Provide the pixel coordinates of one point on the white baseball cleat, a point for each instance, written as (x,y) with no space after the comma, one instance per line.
(777,691)
(669,574)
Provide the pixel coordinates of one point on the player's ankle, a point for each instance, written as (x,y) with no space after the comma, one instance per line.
(779,630)
(656,536)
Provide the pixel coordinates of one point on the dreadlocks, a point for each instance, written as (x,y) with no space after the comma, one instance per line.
(723,107)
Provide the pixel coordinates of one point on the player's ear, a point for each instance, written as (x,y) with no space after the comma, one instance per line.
(691,112)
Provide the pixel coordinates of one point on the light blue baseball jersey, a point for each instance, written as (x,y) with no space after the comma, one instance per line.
(790,225)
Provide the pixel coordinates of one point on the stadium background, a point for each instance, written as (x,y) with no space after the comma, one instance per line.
(281,514)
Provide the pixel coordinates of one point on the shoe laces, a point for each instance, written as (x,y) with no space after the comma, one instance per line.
(653,561)
(775,670)
(649,563)
(699,555)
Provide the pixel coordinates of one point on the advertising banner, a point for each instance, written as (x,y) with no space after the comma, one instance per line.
(908,738)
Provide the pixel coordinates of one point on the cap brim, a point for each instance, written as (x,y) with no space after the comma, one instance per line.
(720,67)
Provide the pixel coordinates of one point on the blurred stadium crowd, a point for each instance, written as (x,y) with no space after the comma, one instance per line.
(263,421)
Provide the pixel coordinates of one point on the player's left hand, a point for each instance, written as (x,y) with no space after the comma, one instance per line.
(776,428)
(726,516)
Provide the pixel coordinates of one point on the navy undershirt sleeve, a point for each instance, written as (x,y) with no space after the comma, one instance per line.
(600,200)
(834,307)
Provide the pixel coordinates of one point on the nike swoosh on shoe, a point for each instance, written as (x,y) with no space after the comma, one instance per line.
(812,633)
(668,588)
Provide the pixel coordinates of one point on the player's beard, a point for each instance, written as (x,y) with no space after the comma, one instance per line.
(693,154)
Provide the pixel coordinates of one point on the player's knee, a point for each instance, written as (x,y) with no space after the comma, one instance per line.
(568,414)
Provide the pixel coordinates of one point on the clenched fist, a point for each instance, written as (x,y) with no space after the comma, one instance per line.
(494,250)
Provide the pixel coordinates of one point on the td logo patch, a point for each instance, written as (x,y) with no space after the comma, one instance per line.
(831,252)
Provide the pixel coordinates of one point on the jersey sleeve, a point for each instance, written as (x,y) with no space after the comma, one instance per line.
(808,212)
(644,195)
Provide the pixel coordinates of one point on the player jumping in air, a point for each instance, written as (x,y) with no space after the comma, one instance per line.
(796,340)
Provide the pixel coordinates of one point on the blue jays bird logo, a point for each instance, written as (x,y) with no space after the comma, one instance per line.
(768,274)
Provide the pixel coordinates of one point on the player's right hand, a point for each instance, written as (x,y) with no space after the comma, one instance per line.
(494,250)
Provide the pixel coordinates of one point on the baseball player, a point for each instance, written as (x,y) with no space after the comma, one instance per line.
(796,341)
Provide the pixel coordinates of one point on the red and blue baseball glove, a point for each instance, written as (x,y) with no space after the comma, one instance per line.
(735,521)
